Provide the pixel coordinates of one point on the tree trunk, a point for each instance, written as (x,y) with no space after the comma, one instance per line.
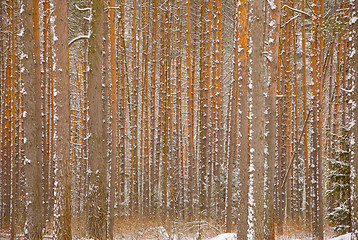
(123,107)
(154,168)
(305,139)
(258,118)
(274,34)
(134,191)
(191,157)
(97,162)
(32,106)
(114,122)
(145,110)
(217,108)
(62,124)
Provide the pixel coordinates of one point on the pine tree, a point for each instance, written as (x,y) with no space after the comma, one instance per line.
(32,106)
(62,111)
(97,161)
(258,118)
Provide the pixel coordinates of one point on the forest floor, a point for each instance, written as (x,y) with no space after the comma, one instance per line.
(133,229)
(144,229)
(161,234)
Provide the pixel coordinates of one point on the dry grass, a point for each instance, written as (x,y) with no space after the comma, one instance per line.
(296,229)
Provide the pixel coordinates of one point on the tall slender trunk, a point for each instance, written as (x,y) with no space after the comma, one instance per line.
(203,117)
(191,156)
(45,107)
(32,106)
(217,108)
(62,124)
(258,118)
(154,169)
(317,67)
(208,103)
(123,103)
(97,162)
(296,125)
(241,79)
(320,104)
(287,70)
(305,137)
(134,199)
(145,110)
(274,34)
(7,123)
(178,154)
(114,117)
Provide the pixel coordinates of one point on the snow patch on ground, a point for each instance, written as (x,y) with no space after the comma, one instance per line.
(225,236)
(343,237)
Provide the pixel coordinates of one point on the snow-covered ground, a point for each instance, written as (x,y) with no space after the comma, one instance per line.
(343,237)
(231,236)
(161,233)
(225,236)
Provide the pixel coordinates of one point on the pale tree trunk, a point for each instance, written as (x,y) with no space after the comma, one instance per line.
(296,121)
(7,121)
(178,152)
(233,127)
(123,100)
(46,116)
(208,103)
(154,172)
(51,131)
(11,187)
(258,118)
(134,190)
(114,122)
(32,106)
(287,87)
(145,109)
(165,93)
(203,119)
(62,124)
(240,101)
(320,105)
(274,34)
(217,108)
(280,147)
(97,163)
(305,138)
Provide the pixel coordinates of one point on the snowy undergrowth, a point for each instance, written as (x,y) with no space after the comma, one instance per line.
(171,230)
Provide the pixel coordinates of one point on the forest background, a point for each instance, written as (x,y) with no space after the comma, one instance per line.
(237,116)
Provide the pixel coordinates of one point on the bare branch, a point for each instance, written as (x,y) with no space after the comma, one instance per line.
(77,39)
(296,10)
